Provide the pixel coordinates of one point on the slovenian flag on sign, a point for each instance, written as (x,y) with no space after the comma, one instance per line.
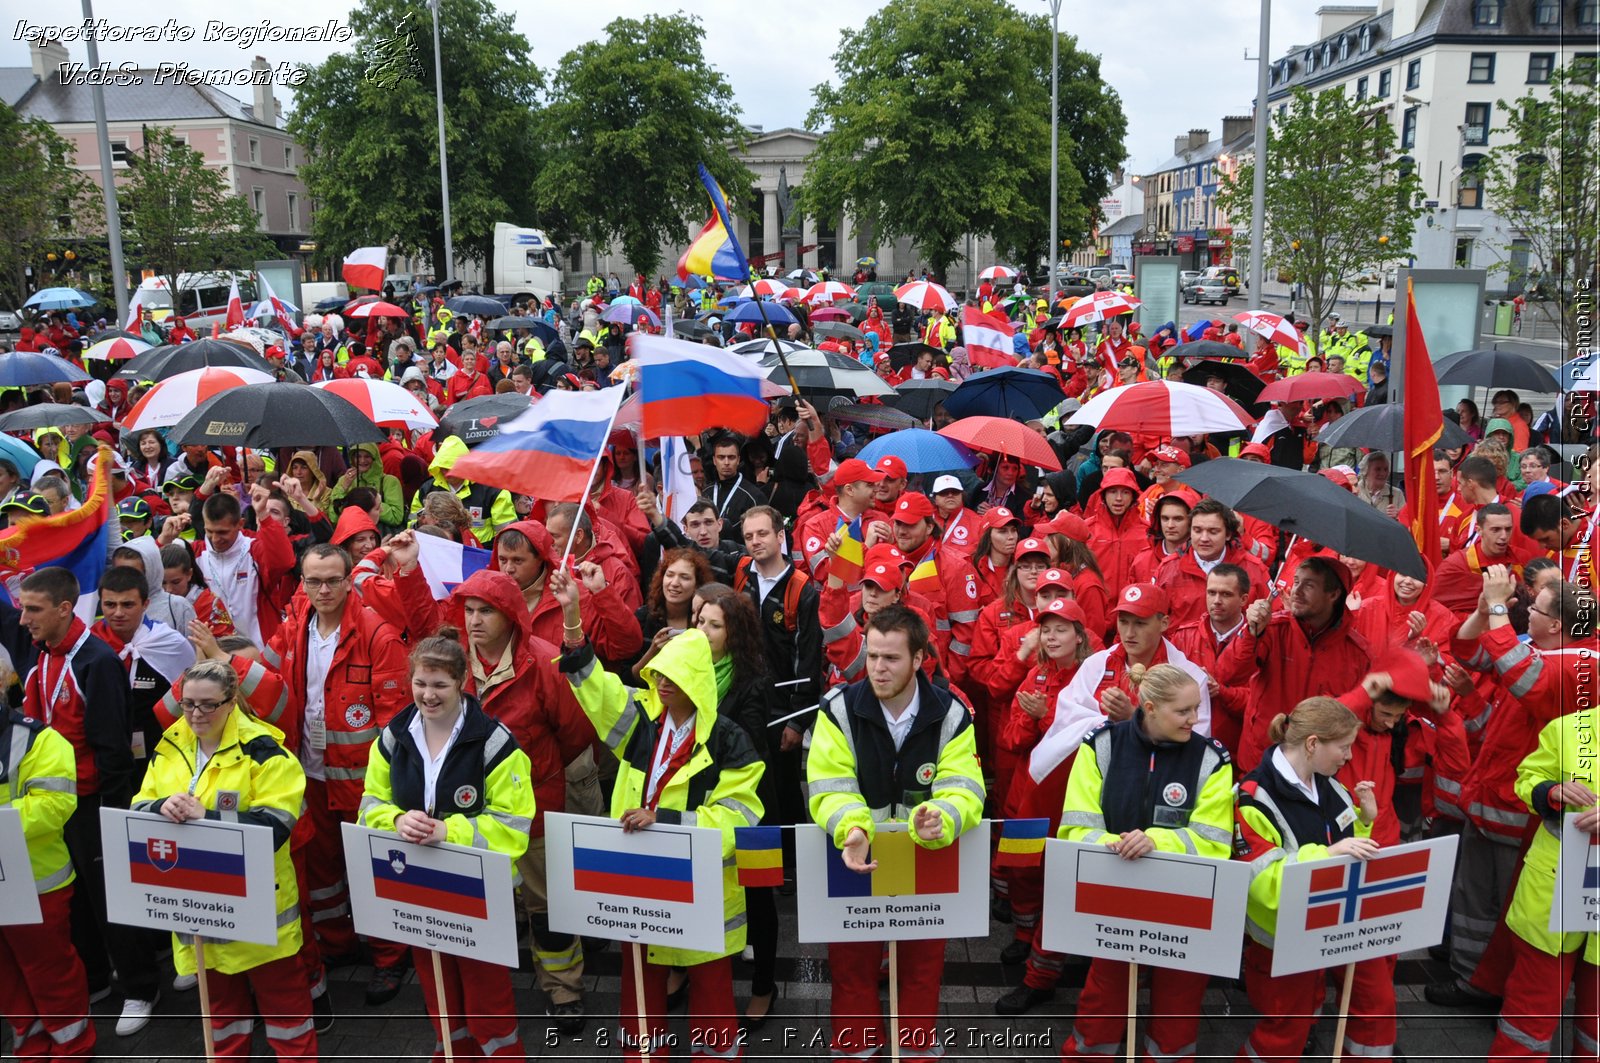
(1591,873)
(1369,889)
(549,452)
(203,859)
(649,866)
(446,565)
(987,338)
(1151,891)
(905,869)
(440,879)
(1021,842)
(758,852)
(687,388)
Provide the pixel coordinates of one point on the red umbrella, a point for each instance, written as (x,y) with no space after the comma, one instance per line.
(379,309)
(1273,327)
(1098,307)
(171,400)
(828,291)
(1164,407)
(386,405)
(925,295)
(830,313)
(1312,386)
(1001,435)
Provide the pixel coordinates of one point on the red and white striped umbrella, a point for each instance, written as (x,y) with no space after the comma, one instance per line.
(378,309)
(1098,307)
(829,291)
(998,273)
(772,286)
(386,405)
(1277,329)
(116,349)
(171,400)
(791,295)
(1163,407)
(925,295)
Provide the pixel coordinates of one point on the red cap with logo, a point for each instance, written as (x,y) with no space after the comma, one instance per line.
(1031,546)
(891,467)
(999,517)
(1059,578)
(913,505)
(885,554)
(1064,609)
(1168,452)
(885,574)
(855,471)
(1141,599)
(1255,450)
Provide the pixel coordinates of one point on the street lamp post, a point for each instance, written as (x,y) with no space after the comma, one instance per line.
(444,165)
(1055,151)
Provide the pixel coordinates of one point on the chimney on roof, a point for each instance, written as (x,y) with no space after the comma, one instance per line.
(48,55)
(1235,126)
(264,107)
(1197,138)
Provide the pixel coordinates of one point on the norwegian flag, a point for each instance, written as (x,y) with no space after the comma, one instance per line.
(987,338)
(1372,889)
(235,317)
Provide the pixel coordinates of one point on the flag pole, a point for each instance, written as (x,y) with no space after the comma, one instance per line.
(638,996)
(583,500)
(205,998)
(444,1016)
(1344,1011)
(894,1001)
(1133,1010)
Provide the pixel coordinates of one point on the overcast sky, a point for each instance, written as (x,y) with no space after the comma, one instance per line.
(774,56)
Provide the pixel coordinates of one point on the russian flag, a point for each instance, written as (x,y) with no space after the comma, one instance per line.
(549,452)
(987,338)
(446,565)
(1152,891)
(364,268)
(203,859)
(424,877)
(686,388)
(648,865)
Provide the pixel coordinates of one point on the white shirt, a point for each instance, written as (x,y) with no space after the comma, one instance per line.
(1286,769)
(430,763)
(672,739)
(764,586)
(231,575)
(319,661)
(899,728)
(1207,566)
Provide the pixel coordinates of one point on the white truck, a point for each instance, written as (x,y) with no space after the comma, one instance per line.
(202,298)
(525,260)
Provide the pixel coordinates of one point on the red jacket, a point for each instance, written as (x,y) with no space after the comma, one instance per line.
(843,641)
(462,385)
(1115,544)
(955,606)
(961,532)
(274,560)
(812,532)
(1199,642)
(995,641)
(621,508)
(262,689)
(1185,582)
(1149,561)
(368,682)
(1372,758)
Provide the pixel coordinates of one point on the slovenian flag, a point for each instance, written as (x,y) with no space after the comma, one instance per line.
(204,859)
(905,869)
(686,388)
(549,452)
(446,565)
(851,557)
(1151,890)
(1021,842)
(1591,873)
(647,865)
(428,877)
(715,251)
(758,852)
(987,338)
(365,266)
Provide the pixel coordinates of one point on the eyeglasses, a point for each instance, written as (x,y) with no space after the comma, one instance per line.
(1541,612)
(203,708)
(320,584)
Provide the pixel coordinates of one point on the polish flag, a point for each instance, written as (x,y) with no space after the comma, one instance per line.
(987,338)
(280,311)
(134,307)
(364,267)
(1150,891)
(235,317)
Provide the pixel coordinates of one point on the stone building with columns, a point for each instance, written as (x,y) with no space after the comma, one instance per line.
(775,156)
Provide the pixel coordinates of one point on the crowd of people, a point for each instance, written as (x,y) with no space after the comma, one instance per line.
(1102,647)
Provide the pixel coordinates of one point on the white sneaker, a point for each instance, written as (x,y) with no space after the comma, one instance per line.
(185,982)
(748,955)
(135,1015)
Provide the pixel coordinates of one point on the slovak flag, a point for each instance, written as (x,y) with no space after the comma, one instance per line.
(446,565)
(1370,889)
(364,268)
(549,452)
(235,318)
(1591,873)
(987,338)
(204,859)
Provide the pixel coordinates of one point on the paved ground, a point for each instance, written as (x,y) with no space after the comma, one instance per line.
(974,979)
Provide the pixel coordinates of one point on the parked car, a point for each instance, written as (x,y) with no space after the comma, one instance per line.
(1206,290)
(1186,277)
(1075,284)
(1226,274)
(10,325)
(1121,277)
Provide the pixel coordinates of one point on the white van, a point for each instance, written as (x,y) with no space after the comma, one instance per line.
(525,260)
(314,292)
(202,298)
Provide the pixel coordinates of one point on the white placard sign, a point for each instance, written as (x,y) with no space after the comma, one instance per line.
(915,893)
(1162,910)
(19,899)
(449,898)
(1577,901)
(204,877)
(1338,911)
(658,886)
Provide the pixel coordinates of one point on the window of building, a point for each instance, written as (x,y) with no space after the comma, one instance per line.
(1283,111)
(1344,48)
(1327,54)
(255,150)
(1311,61)
(1546,12)
(258,203)
(1464,252)
(288,157)
(1361,88)
(1530,177)
(1414,75)
(1469,190)
(1540,64)
(294,212)
(1385,83)
(1481,69)
(1487,12)
(119,153)
(1366,38)
(1408,129)
(1589,12)
(1477,124)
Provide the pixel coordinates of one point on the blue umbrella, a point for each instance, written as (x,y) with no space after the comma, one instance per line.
(26,369)
(920,449)
(1021,394)
(22,455)
(1198,329)
(59,299)
(1579,374)
(749,312)
(629,314)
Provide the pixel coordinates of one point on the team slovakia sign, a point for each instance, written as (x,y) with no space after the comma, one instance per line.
(19,901)
(204,877)
(1577,903)
(449,898)
(1163,910)
(1338,911)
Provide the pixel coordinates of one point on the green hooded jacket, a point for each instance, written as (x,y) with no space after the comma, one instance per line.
(392,517)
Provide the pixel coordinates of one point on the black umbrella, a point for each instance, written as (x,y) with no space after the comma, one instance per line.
(328,306)
(839,329)
(1011,391)
(269,416)
(1496,369)
(872,416)
(692,329)
(1206,349)
(50,415)
(1382,427)
(112,334)
(475,305)
(162,362)
(1378,331)
(1310,506)
(1239,383)
(919,397)
(500,324)
(904,354)
(826,373)
(478,419)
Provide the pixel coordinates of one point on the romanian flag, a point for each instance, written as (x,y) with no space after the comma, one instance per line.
(715,251)
(1022,842)
(75,540)
(925,577)
(1424,424)
(551,451)
(905,869)
(848,562)
(758,851)
(687,388)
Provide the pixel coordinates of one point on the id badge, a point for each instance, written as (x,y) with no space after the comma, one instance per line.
(137,744)
(1347,817)
(1171,818)
(317,733)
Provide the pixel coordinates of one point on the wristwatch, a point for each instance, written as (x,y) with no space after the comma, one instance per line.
(1498,609)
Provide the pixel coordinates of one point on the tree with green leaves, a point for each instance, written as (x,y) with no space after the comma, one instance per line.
(39,187)
(181,216)
(1339,199)
(628,120)
(939,126)
(368,122)
(1544,179)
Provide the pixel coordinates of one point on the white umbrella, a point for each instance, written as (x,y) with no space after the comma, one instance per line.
(386,405)
(174,398)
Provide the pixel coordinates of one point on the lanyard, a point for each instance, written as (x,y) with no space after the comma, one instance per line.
(672,738)
(724,507)
(61,680)
(1444,510)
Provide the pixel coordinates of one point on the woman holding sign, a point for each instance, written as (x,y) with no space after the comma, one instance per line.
(1148,784)
(1291,809)
(444,771)
(219,762)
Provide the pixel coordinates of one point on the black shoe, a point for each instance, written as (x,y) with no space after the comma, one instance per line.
(1453,994)
(1440,952)
(1016,952)
(384,985)
(678,997)
(595,946)
(1000,909)
(322,1013)
(1022,1000)
(570,1017)
(750,1023)
(352,958)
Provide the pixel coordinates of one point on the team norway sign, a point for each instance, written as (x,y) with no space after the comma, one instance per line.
(1338,911)
(1162,910)
(1577,901)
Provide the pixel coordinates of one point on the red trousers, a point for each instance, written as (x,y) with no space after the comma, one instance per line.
(1102,1022)
(1530,1018)
(488,1029)
(1289,1007)
(858,1032)
(1371,1029)
(713,1023)
(44,992)
(310,954)
(276,990)
(327,894)
(1031,800)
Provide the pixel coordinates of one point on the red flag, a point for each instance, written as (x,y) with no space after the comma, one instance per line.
(1424,424)
(235,317)
(987,338)
(363,267)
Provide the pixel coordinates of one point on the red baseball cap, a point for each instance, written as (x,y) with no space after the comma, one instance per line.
(855,471)
(1141,599)
(885,554)
(1168,452)
(1056,577)
(1069,524)
(1031,546)
(999,517)
(1064,609)
(1339,478)
(913,505)
(1256,450)
(891,467)
(884,574)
